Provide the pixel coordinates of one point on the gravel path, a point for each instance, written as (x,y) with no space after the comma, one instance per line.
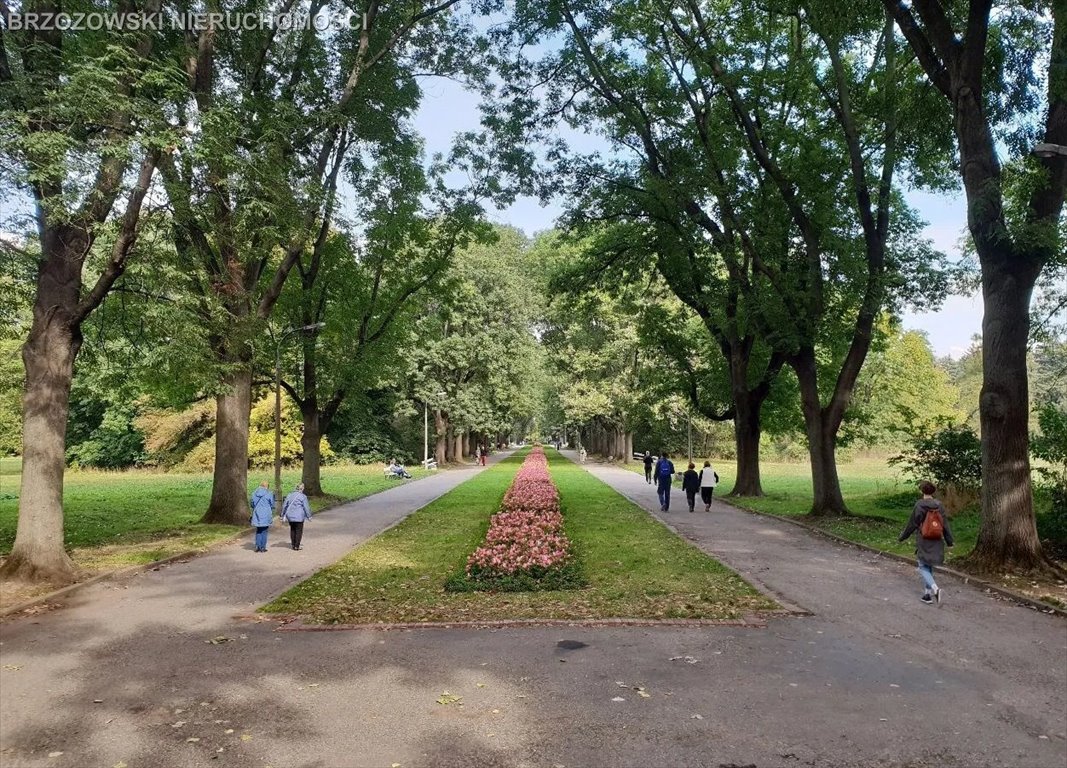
(126,673)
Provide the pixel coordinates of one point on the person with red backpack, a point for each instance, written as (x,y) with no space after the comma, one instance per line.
(930,525)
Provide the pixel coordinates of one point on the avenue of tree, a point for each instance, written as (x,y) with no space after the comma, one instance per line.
(737,249)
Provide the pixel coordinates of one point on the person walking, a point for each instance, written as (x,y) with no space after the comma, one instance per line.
(483,452)
(930,525)
(691,485)
(262,503)
(648,467)
(709,478)
(296,510)
(664,477)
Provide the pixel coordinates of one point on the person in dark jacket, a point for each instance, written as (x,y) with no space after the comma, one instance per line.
(296,510)
(664,478)
(648,467)
(928,552)
(691,485)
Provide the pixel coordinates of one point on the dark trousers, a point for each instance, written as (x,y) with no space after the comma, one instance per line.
(663,490)
(296,531)
(691,497)
(705,494)
(648,474)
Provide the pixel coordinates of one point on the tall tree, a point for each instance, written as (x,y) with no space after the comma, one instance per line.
(989,62)
(275,117)
(773,132)
(82,126)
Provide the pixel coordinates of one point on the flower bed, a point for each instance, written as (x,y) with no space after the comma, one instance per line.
(525,547)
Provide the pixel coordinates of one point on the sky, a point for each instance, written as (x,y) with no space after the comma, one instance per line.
(448,109)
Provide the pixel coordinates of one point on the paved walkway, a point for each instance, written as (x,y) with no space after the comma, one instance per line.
(126,674)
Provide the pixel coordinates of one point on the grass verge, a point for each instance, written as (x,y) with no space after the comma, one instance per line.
(634,567)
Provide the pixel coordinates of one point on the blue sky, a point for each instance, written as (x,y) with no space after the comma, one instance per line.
(448,109)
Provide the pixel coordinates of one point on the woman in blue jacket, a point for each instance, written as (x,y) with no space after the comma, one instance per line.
(295,510)
(262,514)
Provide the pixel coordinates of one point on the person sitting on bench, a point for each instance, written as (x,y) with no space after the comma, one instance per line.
(396,469)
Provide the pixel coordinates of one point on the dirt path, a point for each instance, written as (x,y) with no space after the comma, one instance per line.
(872,678)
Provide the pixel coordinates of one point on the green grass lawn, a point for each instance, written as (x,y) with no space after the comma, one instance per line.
(136,516)
(880,499)
(635,567)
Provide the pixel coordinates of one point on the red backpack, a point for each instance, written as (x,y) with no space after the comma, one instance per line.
(933,525)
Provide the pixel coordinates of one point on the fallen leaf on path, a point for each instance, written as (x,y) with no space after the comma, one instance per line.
(219,640)
(313,685)
(119,764)
(228,730)
(893,685)
(13,667)
(644,695)
(98,701)
(449,698)
(496,711)
(686,659)
(192,740)
(480,685)
(178,724)
(178,711)
(621,684)
(696,717)
(395,765)
(246,737)
(54,754)
(618,698)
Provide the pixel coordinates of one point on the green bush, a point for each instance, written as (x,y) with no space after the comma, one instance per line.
(949,457)
(567,576)
(115,443)
(1050,446)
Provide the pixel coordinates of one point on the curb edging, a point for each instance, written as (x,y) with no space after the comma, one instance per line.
(967,578)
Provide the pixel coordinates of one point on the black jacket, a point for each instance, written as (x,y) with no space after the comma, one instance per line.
(691,481)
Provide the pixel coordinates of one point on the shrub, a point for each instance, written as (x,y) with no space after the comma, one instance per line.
(1050,446)
(115,443)
(949,457)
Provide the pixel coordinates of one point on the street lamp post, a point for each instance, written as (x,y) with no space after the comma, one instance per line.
(426,431)
(278,404)
(689,427)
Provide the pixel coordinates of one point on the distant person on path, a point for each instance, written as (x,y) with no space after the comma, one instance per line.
(691,485)
(664,477)
(648,467)
(295,510)
(930,525)
(262,503)
(709,478)
(483,452)
(581,454)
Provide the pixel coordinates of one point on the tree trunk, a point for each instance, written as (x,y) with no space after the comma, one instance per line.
(466,445)
(48,356)
(229,485)
(458,450)
(627,447)
(747,430)
(827,499)
(440,426)
(311,447)
(1008,535)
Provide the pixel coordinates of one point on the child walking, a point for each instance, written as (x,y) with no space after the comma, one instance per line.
(930,525)
(691,485)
